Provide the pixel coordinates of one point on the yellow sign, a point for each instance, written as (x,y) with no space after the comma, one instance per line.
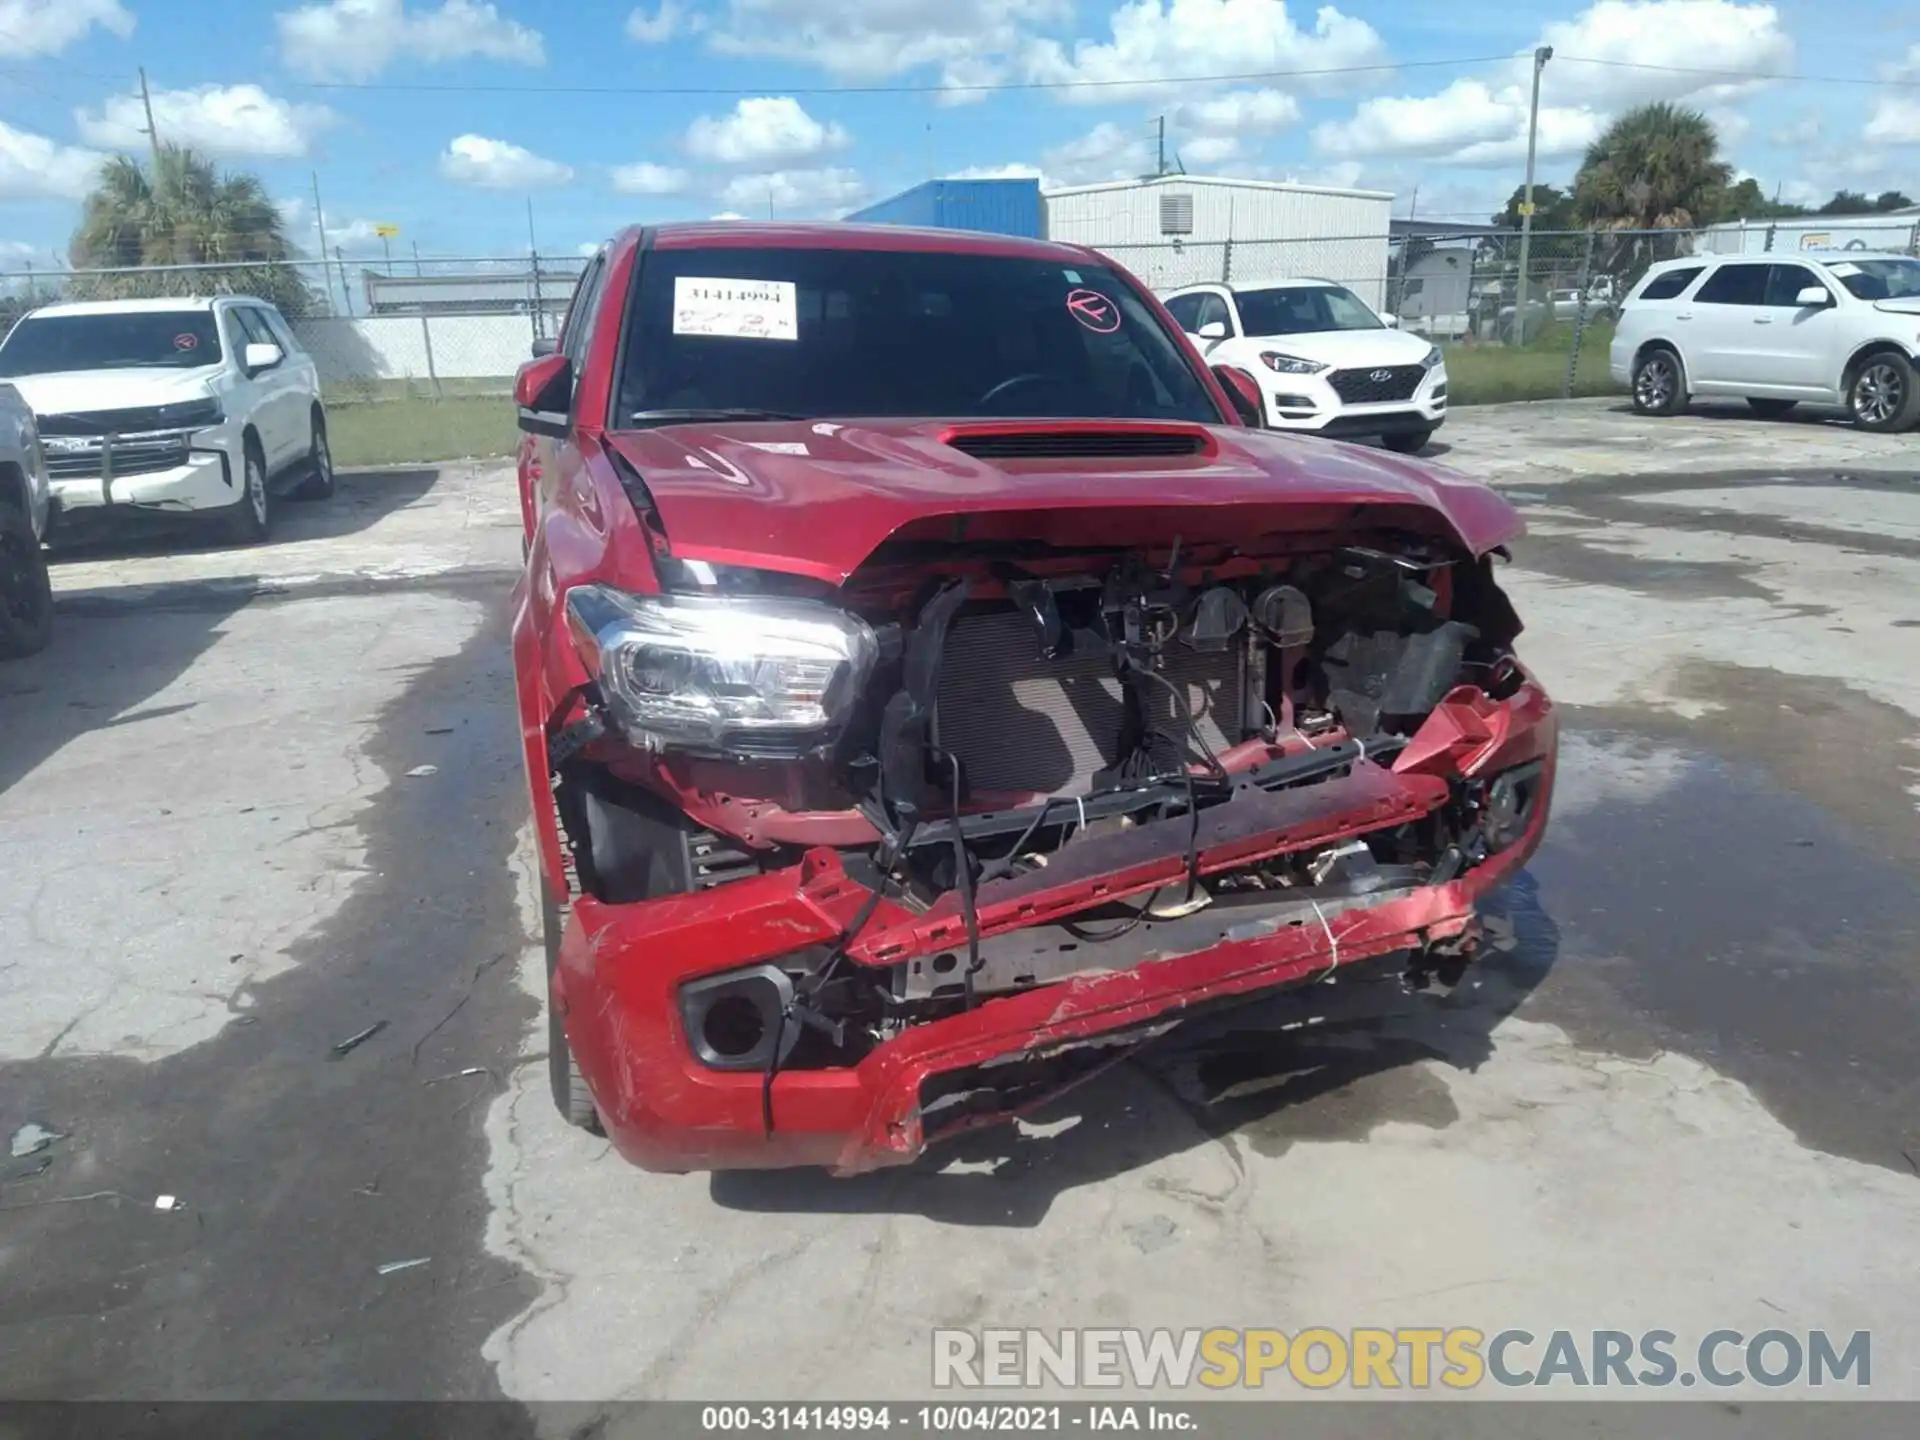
(386,232)
(1526,207)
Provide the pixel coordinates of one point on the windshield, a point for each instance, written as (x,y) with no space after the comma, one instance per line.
(157,339)
(1303,309)
(803,333)
(1879,279)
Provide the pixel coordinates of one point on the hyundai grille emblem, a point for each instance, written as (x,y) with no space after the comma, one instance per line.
(1380,377)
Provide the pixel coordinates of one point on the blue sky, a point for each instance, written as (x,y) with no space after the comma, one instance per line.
(444,117)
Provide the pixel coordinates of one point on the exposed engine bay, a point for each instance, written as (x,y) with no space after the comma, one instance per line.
(1003,723)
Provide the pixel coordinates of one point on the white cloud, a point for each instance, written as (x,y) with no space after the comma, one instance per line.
(729,215)
(1906,69)
(644,178)
(1239,112)
(1701,34)
(1806,130)
(668,20)
(218,119)
(1106,152)
(966,40)
(1182,39)
(497,165)
(32,167)
(357,39)
(828,191)
(1018,170)
(46,27)
(1209,150)
(762,131)
(1483,121)
(1895,121)
(15,254)
(296,219)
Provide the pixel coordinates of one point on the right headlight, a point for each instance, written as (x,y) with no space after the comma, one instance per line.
(190,414)
(700,672)
(1291,364)
(1431,358)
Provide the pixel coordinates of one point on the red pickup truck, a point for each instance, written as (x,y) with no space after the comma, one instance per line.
(933,687)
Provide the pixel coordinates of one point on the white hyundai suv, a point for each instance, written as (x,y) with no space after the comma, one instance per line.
(1835,327)
(189,408)
(1324,361)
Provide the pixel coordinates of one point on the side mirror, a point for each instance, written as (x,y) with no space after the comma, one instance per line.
(259,355)
(543,391)
(544,346)
(1814,295)
(1213,330)
(1392,322)
(1244,391)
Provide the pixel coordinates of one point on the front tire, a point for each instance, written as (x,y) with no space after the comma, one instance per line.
(1659,384)
(1770,409)
(249,518)
(1407,442)
(570,1095)
(1885,395)
(319,484)
(26,590)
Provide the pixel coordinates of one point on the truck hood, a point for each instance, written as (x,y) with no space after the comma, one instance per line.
(817,498)
(1904,305)
(63,392)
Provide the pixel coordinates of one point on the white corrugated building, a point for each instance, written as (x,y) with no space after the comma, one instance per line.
(1182,229)
(1898,231)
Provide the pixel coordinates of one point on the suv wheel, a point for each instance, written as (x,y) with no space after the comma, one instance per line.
(247,519)
(1407,442)
(26,592)
(1884,396)
(1659,385)
(319,482)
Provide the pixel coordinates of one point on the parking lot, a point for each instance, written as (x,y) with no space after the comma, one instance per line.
(254,803)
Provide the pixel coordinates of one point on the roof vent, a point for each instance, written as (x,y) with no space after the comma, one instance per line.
(1079,444)
(1176,212)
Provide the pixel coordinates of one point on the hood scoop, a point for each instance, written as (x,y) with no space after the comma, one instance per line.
(1078,444)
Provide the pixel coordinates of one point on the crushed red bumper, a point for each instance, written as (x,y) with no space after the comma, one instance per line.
(621,966)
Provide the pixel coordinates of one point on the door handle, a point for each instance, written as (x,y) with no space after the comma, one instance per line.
(1763,319)
(1684,315)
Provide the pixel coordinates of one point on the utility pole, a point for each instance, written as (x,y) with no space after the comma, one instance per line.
(1540,58)
(345,293)
(320,233)
(1160,146)
(416,259)
(153,134)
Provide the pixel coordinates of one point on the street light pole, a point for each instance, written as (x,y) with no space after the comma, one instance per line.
(1540,58)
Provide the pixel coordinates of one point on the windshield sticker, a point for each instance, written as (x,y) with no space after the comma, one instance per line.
(736,309)
(1073,276)
(1844,268)
(1094,310)
(186,340)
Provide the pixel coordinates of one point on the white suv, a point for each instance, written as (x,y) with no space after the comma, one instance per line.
(171,408)
(1324,361)
(1833,328)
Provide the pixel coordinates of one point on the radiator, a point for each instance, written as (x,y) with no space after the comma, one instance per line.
(1018,722)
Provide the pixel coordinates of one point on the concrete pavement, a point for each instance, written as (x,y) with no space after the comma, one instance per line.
(1681,1098)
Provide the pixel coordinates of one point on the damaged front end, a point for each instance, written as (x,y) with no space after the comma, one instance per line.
(860,865)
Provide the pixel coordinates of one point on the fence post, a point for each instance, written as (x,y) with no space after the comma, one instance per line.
(426,339)
(538,310)
(1579,316)
(1226,261)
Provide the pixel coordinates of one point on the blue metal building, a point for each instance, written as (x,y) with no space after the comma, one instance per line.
(999,207)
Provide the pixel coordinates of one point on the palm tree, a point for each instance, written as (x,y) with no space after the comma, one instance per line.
(1657,167)
(179,211)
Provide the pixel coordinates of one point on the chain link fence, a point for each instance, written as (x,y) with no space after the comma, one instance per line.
(418,353)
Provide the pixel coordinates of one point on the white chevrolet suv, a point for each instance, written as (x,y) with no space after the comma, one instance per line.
(181,408)
(1324,361)
(1834,327)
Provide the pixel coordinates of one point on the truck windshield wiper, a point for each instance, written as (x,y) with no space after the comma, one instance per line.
(696,416)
